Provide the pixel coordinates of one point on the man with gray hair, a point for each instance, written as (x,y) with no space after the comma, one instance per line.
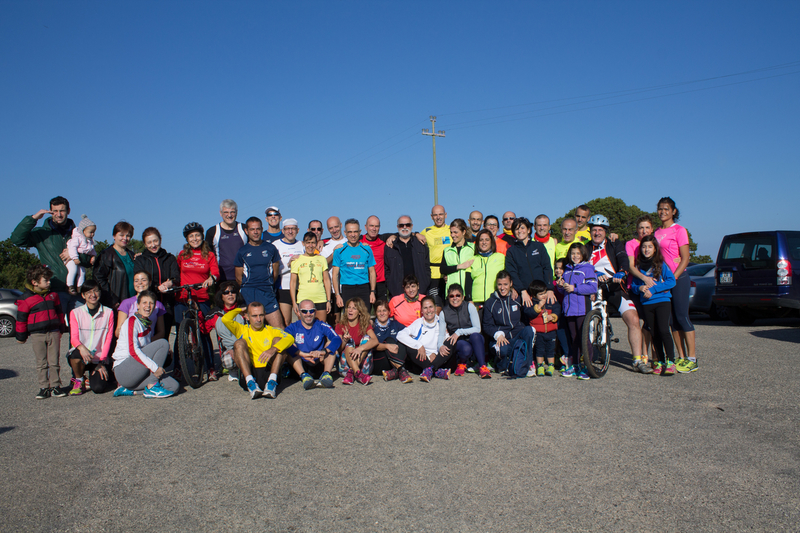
(355,263)
(406,256)
(226,238)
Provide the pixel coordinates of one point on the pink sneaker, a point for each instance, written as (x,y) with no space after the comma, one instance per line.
(460,370)
(348,378)
(363,378)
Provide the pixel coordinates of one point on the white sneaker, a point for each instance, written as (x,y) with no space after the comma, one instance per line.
(531,373)
(233,375)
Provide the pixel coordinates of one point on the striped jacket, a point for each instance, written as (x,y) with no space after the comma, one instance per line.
(37,313)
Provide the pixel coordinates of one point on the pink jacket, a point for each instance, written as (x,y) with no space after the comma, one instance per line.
(79,244)
(94,332)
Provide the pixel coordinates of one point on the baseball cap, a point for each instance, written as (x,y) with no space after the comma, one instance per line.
(289,222)
(272,208)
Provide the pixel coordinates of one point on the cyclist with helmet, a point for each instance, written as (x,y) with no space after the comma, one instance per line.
(610,261)
(197,263)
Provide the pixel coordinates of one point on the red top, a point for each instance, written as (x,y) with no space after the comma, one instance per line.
(195,269)
(378,248)
(355,334)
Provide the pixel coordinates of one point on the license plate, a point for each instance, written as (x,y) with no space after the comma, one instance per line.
(726,277)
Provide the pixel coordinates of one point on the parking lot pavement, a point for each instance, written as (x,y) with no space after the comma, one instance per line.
(715,450)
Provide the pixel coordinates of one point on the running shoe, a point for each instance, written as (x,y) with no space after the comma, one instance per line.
(404,376)
(472,369)
(582,374)
(57,392)
(540,371)
(308,381)
(157,391)
(550,370)
(233,375)
(272,389)
(122,391)
(531,372)
(563,360)
(484,372)
(658,369)
(77,387)
(670,369)
(326,380)
(389,375)
(568,372)
(349,378)
(642,367)
(255,390)
(442,373)
(490,367)
(426,374)
(212,376)
(689,366)
(461,369)
(44,394)
(363,378)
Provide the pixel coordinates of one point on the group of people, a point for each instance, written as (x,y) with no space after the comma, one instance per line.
(476,295)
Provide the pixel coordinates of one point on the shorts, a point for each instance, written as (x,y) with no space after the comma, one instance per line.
(321,307)
(436,290)
(261,375)
(285,296)
(262,296)
(622,304)
(73,353)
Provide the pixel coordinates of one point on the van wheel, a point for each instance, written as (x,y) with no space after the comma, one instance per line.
(718,313)
(740,317)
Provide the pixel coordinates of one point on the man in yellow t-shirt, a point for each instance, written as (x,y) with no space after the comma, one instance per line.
(437,238)
(582,214)
(257,346)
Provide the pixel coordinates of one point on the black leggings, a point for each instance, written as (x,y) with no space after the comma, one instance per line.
(407,357)
(657,316)
(575,329)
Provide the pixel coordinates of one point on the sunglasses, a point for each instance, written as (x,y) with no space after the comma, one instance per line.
(315,229)
(404,225)
(308,311)
(228,292)
(273,214)
(509,218)
(454,296)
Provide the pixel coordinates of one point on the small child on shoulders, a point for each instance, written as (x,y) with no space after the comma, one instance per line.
(40,319)
(82,242)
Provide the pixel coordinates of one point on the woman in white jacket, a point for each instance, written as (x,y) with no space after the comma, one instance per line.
(419,345)
(139,363)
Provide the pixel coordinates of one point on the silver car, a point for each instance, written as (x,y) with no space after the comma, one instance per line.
(8,311)
(702,277)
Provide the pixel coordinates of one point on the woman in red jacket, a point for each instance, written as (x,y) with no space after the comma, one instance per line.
(198,264)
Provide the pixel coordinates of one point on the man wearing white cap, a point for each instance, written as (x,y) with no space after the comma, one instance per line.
(289,249)
(273,231)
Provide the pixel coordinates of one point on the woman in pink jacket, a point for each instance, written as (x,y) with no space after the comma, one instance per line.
(90,334)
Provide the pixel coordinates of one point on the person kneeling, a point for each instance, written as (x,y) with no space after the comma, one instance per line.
(420,341)
(251,356)
(139,363)
(315,345)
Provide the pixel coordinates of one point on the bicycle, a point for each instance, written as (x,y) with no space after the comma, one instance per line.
(190,348)
(596,337)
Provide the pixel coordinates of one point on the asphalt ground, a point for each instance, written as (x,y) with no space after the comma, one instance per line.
(715,450)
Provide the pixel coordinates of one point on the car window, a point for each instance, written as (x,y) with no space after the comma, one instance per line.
(750,251)
(793,243)
(699,270)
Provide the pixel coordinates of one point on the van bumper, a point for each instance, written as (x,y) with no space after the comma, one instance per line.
(755,301)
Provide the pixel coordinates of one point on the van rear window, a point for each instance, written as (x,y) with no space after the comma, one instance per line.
(751,251)
(793,244)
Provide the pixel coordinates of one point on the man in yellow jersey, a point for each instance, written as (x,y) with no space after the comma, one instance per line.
(582,214)
(437,237)
(568,229)
(257,347)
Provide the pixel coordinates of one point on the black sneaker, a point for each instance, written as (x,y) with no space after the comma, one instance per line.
(58,392)
(43,394)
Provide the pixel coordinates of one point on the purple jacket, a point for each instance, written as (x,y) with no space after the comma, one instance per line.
(584,278)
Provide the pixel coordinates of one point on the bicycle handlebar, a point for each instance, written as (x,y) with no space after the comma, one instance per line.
(194,286)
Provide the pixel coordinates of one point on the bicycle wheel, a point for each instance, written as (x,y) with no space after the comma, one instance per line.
(191,353)
(596,353)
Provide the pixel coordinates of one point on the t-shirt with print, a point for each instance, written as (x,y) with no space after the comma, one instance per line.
(310,282)
(437,240)
(670,241)
(286,251)
(354,263)
(256,263)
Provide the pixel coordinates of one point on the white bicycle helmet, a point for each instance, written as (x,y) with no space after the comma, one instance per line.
(599,220)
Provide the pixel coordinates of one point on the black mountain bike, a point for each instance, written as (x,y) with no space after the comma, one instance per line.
(190,348)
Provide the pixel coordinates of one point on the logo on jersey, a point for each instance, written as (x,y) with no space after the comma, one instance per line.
(264,253)
(300,338)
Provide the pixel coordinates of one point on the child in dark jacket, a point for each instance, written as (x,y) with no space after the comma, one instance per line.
(577,285)
(40,318)
(656,302)
(545,323)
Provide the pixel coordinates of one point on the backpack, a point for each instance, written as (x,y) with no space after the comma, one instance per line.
(517,364)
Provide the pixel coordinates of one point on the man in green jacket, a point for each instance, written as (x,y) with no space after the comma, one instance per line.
(50,242)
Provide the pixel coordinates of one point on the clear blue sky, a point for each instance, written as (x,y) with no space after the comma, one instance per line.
(153,112)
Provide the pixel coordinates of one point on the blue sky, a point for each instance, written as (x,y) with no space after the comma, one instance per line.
(153,112)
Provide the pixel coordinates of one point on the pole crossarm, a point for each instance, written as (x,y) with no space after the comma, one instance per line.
(433,134)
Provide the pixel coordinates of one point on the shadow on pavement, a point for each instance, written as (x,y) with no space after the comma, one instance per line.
(786,335)
(6,428)
(6,373)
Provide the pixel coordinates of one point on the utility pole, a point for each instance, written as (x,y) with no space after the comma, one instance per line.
(433,133)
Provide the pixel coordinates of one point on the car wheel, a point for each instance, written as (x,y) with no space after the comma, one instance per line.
(7,326)
(718,313)
(740,317)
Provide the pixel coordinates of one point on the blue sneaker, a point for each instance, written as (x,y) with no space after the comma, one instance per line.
(272,389)
(255,390)
(122,391)
(582,374)
(326,380)
(157,391)
(568,372)
(308,381)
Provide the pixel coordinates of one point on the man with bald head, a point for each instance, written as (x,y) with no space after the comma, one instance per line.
(475,222)
(508,220)
(437,237)
(373,240)
(569,227)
